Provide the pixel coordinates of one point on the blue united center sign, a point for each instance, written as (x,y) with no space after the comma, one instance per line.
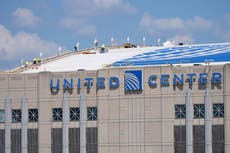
(133,81)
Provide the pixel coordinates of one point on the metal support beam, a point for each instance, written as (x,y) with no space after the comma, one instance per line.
(7,125)
(82,124)
(24,127)
(208,127)
(65,127)
(188,124)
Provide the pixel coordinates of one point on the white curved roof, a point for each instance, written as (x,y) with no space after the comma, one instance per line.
(144,56)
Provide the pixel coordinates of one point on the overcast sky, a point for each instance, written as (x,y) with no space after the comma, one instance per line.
(28,27)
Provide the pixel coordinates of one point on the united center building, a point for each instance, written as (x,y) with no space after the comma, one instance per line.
(137,100)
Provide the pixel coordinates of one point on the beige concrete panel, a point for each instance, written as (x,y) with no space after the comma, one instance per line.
(44,148)
(16,81)
(90,101)
(113,133)
(31,93)
(124,149)
(167,135)
(103,149)
(152,108)
(124,109)
(31,80)
(216,98)
(3,94)
(153,132)
(32,125)
(197,121)
(4,86)
(56,124)
(73,102)
(45,112)
(136,132)
(103,113)
(124,133)
(91,124)
(103,133)
(153,149)
(168,148)
(16,126)
(114,149)
(74,124)
(197,97)
(217,121)
(138,107)
(113,109)
(16,93)
(44,133)
(168,111)
(179,122)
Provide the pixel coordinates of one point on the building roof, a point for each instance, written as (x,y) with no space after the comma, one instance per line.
(141,56)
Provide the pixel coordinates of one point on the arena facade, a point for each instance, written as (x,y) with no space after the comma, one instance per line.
(135,100)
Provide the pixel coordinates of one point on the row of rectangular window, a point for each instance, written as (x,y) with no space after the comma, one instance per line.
(74,114)
(199,111)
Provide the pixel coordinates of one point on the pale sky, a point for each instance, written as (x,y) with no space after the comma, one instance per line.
(30,27)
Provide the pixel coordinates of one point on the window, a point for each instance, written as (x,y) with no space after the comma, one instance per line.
(74,114)
(179,138)
(180,111)
(218,110)
(2,116)
(57,114)
(92,113)
(33,115)
(16,115)
(199,111)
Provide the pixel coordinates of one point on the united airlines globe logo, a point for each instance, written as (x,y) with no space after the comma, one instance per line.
(133,80)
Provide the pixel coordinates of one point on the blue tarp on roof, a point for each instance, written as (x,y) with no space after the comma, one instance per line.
(180,54)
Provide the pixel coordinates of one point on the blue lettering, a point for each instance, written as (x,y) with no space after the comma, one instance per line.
(114,82)
(216,78)
(177,79)
(67,84)
(151,81)
(52,87)
(100,83)
(88,82)
(191,77)
(203,78)
(79,83)
(164,80)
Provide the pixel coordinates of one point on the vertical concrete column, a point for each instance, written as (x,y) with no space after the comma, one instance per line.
(45,112)
(188,124)
(24,128)
(7,125)
(226,91)
(65,126)
(82,124)
(208,128)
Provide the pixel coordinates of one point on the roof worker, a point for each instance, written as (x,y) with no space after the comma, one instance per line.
(103,47)
(35,61)
(76,47)
(27,63)
(38,60)
(95,43)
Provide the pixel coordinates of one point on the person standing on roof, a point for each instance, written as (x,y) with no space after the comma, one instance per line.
(27,63)
(76,47)
(95,43)
(103,47)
